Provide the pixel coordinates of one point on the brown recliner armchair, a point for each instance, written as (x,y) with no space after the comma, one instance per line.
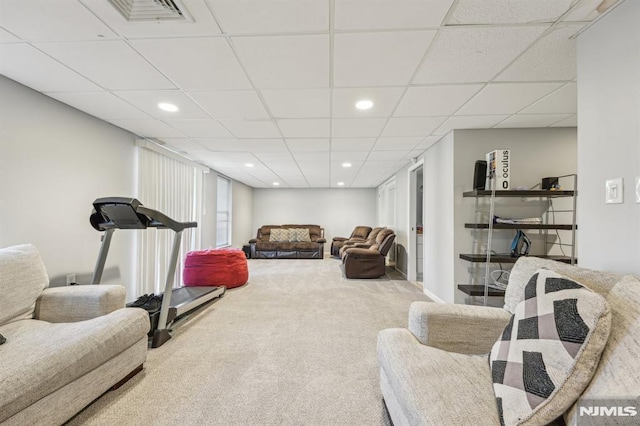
(368,260)
(360,233)
(368,241)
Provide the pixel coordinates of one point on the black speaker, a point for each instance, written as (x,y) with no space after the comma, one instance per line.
(479,174)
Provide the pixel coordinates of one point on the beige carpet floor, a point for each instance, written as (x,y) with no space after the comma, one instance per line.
(294,346)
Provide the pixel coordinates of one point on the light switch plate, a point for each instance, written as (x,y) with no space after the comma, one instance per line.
(614,191)
(638,189)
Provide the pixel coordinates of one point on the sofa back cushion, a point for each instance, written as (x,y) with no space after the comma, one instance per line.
(618,374)
(279,235)
(22,279)
(299,235)
(360,232)
(526,266)
(549,351)
(264,232)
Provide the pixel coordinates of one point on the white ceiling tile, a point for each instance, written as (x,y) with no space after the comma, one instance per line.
(148,128)
(353,157)
(387,155)
(314,167)
(27,65)
(468,122)
(205,128)
(238,104)
(298,103)
(571,121)
(391,144)
(507,11)
(195,63)
(183,145)
(427,142)
(506,98)
(305,127)
(296,145)
(303,156)
(435,101)
(378,59)
(357,127)
(6,37)
(562,101)
(148,100)
(111,64)
(384,101)
(474,54)
(103,105)
(285,62)
(252,128)
(411,126)
(271,16)
(46,20)
(352,144)
(552,57)
(203,23)
(385,14)
(531,120)
(261,145)
(232,158)
(288,168)
(587,10)
(215,144)
(277,157)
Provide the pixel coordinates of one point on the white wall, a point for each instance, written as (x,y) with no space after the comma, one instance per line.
(609,139)
(241,214)
(54,162)
(338,211)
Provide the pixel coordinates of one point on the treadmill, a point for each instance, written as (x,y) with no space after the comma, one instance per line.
(113,213)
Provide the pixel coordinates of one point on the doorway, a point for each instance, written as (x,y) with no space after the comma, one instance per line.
(415,254)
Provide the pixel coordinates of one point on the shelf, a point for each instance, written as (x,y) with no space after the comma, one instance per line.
(478,290)
(523,194)
(519,226)
(505,258)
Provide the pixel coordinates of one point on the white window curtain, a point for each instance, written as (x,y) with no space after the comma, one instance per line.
(223,219)
(174,188)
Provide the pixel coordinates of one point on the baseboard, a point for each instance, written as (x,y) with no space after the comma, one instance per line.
(432,296)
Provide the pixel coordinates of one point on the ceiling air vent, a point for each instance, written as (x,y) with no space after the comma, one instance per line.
(152,10)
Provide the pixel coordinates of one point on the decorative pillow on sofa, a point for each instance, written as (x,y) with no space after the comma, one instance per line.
(549,351)
(299,235)
(280,235)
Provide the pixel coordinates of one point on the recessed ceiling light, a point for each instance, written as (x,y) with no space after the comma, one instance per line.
(276,183)
(346,164)
(248,165)
(340,183)
(364,104)
(168,107)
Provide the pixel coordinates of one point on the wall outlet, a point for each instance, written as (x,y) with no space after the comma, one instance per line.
(71,279)
(614,191)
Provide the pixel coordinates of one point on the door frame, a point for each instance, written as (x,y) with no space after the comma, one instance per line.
(412,266)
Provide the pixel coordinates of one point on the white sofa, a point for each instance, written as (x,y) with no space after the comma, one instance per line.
(64,346)
(436,372)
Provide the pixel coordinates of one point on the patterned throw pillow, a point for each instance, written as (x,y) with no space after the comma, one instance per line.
(549,351)
(299,235)
(279,235)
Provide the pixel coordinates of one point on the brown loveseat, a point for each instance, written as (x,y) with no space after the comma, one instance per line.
(288,242)
(359,233)
(367,260)
(367,241)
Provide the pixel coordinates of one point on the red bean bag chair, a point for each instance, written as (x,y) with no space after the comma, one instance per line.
(227,267)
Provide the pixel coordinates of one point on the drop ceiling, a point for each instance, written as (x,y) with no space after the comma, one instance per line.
(273,83)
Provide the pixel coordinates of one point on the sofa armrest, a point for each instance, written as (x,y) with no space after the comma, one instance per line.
(465,329)
(320,240)
(362,245)
(253,241)
(340,239)
(362,252)
(79,302)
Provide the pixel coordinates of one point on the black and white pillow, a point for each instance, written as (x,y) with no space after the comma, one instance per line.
(549,351)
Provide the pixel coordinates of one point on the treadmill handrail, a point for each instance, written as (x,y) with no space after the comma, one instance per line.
(161,220)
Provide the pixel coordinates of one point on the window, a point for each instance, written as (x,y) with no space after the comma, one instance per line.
(223,228)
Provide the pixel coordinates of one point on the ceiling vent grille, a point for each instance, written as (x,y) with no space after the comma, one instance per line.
(152,10)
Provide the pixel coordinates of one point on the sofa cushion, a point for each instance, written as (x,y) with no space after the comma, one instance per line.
(267,246)
(433,386)
(22,279)
(299,235)
(549,351)
(41,357)
(618,373)
(279,235)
